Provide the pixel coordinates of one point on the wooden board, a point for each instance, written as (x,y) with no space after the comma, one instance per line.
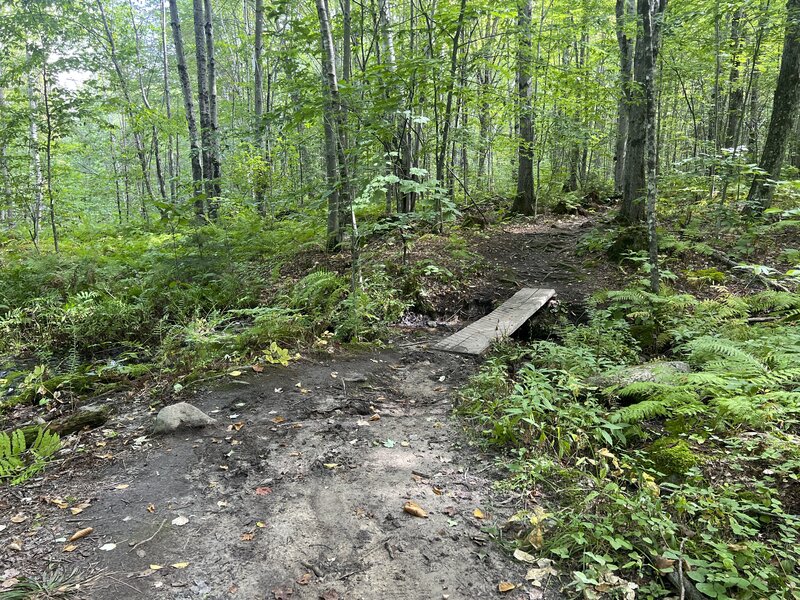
(475,338)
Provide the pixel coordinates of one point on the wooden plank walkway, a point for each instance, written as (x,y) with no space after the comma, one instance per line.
(475,338)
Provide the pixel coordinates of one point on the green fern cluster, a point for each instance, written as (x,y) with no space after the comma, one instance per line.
(752,380)
(18,462)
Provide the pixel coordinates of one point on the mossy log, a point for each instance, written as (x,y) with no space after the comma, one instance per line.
(87,417)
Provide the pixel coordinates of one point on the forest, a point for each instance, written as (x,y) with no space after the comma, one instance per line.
(233,232)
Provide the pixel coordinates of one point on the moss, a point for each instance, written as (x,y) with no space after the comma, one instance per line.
(672,456)
(709,276)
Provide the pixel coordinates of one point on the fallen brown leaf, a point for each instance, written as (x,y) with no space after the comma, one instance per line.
(76,510)
(305,579)
(19,518)
(247,536)
(81,533)
(414,509)
(278,420)
(505,586)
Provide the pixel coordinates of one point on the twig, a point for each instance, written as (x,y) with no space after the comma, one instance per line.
(138,591)
(765,281)
(137,544)
(314,568)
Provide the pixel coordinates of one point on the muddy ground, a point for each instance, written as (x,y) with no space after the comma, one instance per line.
(298,491)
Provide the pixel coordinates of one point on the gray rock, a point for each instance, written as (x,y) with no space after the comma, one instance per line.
(181,415)
(355,378)
(653,372)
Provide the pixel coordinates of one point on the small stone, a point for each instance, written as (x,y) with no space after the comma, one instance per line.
(355,378)
(181,415)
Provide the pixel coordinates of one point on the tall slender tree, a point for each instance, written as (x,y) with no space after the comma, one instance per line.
(785,106)
(524,201)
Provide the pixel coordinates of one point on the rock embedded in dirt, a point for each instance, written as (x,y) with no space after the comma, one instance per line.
(180,416)
(662,371)
(355,378)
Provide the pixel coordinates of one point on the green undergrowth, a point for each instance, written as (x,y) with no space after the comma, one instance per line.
(118,304)
(695,467)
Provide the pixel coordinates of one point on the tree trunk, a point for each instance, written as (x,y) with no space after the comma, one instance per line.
(214,180)
(36,161)
(6,207)
(650,42)
(188,105)
(173,183)
(625,9)
(201,58)
(635,189)
(258,100)
(736,92)
(441,156)
(524,201)
(334,151)
(48,117)
(784,112)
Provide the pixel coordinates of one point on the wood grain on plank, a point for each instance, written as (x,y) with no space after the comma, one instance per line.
(475,338)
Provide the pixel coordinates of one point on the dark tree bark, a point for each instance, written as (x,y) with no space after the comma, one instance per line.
(784,113)
(625,9)
(524,202)
(258,98)
(635,189)
(335,165)
(650,40)
(188,105)
(214,179)
(203,102)
(736,93)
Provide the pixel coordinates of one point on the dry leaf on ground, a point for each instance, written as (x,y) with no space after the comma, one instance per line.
(81,533)
(505,586)
(414,509)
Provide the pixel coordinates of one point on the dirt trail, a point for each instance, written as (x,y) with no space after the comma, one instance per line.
(317,497)
(298,492)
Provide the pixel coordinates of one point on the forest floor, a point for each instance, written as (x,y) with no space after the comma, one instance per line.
(298,491)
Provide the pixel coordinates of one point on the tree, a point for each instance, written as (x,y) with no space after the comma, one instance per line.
(635,188)
(258,98)
(335,163)
(625,9)
(784,114)
(524,201)
(188,106)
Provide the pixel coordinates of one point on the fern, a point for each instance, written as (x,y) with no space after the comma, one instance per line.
(18,463)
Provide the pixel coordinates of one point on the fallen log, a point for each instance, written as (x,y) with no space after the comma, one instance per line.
(766,281)
(88,417)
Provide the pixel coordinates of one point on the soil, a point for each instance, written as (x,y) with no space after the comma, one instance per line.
(298,491)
